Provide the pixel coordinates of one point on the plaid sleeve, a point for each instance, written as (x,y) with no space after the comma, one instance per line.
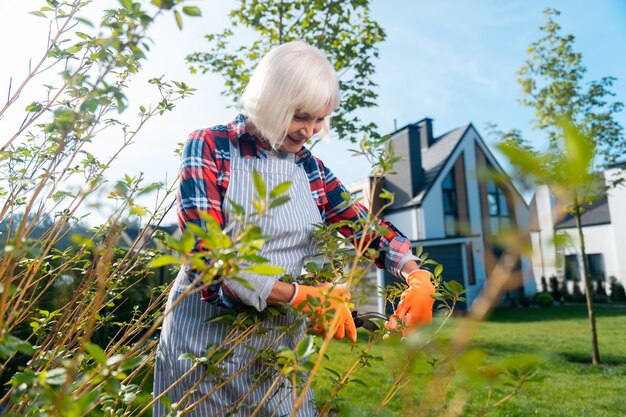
(198,187)
(202,183)
(393,247)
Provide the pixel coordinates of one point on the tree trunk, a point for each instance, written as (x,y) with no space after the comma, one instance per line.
(595,352)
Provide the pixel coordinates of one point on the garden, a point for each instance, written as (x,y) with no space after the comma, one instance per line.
(82,301)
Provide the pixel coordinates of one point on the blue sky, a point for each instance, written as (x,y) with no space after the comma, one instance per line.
(451,60)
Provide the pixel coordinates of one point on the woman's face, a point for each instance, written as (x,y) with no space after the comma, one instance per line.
(302,127)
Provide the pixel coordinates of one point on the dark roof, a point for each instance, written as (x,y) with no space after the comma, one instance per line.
(596,214)
(434,158)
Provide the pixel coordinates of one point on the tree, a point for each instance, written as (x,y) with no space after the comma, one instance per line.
(56,298)
(579,122)
(343,29)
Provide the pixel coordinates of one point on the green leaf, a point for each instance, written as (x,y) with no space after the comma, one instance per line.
(280,189)
(34,107)
(264,269)
(9,345)
(115,359)
(259,184)
(255,258)
(187,242)
(358,381)
(133,362)
(82,240)
(438,270)
(579,151)
(37,13)
(306,347)
(279,201)
(84,21)
(237,209)
(166,403)
(333,372)
(164,260)
(192,11)
(455,287)
(187,356)
(138,210)
(96,353)
(179,19)
(127,4)
(56,376)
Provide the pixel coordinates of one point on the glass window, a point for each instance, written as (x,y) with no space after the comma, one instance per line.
(499,213)
(596,267)
(502,205)
(493,205)
(572,271)
(450,212)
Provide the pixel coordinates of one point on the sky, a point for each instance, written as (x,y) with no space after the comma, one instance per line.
(454,61)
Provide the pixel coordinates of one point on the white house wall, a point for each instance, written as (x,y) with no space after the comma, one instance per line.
(406,222)
(617,210)
(544,253)
(433,203)
(596,239)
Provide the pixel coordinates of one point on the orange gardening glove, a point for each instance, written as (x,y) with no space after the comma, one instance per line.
(416,304)
(331,297)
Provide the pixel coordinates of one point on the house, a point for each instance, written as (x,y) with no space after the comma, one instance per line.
(440,204)
(604,231)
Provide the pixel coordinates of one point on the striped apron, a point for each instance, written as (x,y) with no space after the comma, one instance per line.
(185,330)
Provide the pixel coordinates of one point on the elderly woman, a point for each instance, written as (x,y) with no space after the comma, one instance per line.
(289,99)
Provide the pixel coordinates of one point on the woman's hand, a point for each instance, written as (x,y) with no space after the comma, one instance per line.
(331,314)
(416,303)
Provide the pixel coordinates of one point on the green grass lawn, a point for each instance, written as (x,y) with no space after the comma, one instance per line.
(559,336)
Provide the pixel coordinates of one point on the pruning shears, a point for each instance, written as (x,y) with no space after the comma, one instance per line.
(365,320)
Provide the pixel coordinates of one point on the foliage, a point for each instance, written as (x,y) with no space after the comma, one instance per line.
(80,309)
(343,29)
(580,124)
(545,299)
(618,293)
(66,287)
(552,84)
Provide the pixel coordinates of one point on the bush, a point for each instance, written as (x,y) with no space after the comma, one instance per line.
(554,288)
(618,293)
(577,294)
(524,301)
(544,299)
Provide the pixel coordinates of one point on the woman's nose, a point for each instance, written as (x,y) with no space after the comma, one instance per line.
(309,129)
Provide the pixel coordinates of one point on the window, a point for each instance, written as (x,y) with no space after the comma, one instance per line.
(572,271)
(450,212)
(499,213)
(596,267)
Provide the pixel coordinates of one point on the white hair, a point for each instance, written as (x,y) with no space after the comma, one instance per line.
(293,77)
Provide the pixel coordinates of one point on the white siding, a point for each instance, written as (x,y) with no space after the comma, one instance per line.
(596,239)
(432,207)
(544,252)
(405,221)
(617,209)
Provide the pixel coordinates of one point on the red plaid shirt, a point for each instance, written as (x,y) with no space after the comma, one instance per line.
(205,174)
